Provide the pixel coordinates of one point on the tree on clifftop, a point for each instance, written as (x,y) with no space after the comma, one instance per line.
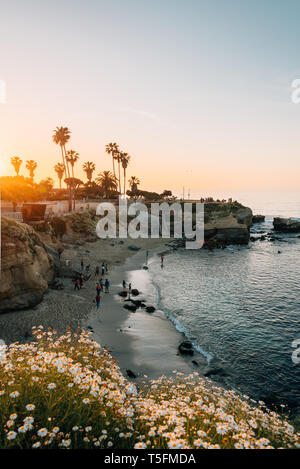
(16,162)
(31,165)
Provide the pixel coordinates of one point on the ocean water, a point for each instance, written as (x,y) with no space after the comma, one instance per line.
(241,306)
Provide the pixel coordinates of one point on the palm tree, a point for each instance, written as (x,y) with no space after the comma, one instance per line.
(133,183)
(72,157)
(61,136)
(89,167)
(107,181)
(16,162)
(59,169)
(112,149)
(31,165)
(118,157)
(125,158)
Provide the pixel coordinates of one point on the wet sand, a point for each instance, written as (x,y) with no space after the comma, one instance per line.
(146,343)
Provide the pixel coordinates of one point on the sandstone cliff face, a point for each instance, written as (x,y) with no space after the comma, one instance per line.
(26,268)
(227,223)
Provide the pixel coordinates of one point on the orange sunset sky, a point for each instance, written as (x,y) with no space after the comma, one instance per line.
(197,92)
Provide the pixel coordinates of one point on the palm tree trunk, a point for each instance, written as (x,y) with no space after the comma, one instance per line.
(63,160)
(124,180)
(113,160)
(60,183)
(68,173)
(120,190)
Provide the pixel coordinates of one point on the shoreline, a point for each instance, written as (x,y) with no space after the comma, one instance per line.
(145,343)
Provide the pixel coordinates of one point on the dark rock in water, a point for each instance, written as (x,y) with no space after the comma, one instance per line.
(131,374)
(214,371)
(258,218)
(287,225)
(186,348)
(262,238)
(121,242)
(150,309)
(132,308)
(253,239)
(279,252)
(123,294)
(195,362)
(135,292)
(145,267)
(134,248)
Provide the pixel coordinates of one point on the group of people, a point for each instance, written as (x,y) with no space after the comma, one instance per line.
(78,281)
(99,290)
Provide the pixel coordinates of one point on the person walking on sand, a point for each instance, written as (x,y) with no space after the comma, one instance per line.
(98,288)
(97,271)
(147,254)
(106,268)
(81,281)
(98,300)
(101,283)
(162,260)
(129,289)
(103,268)
(124,285)
(76,284)
(81,264)
(107,286)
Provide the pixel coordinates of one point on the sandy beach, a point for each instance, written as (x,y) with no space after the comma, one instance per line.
(145,343)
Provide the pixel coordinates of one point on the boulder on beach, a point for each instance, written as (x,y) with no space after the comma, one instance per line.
(123,294)
(135,292)
(131,374)
(132,247)
(131,308)
(150,309)
(186,348)
(287,225)
(214,371)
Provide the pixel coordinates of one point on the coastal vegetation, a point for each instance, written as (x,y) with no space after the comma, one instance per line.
(68,392)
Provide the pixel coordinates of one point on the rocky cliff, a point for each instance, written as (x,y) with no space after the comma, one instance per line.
(227,223)
(26,268)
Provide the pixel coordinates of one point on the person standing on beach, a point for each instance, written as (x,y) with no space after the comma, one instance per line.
(129,288)
(98,288)
(107,286)
(147,254)
(97,271)
(81,264)
(124,285)
(81,281)
(106,268)
(103,268)
(162,260)
(101,283)
(76,284)
(98,299)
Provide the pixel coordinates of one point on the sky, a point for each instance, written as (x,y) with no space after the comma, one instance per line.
(198,92)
